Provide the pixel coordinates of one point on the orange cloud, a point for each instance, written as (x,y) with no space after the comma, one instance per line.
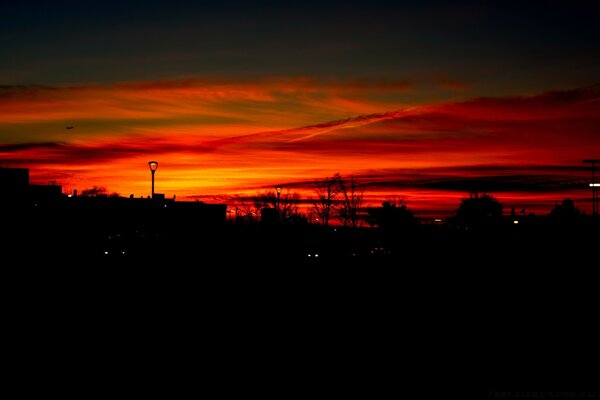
(215,138)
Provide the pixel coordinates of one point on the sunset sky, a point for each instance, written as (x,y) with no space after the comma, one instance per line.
(422,101)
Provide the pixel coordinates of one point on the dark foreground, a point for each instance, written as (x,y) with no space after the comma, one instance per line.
(457,308)
(97,239)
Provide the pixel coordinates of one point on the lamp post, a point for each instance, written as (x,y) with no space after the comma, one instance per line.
(278,191)
(153,167)
(594,185)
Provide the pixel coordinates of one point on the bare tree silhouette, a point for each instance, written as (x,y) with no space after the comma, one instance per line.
(265,200)
(327,191)
(352,197)
(288,204)
(250,207)
(246,207)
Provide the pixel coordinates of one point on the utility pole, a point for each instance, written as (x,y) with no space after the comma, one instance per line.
(594,185)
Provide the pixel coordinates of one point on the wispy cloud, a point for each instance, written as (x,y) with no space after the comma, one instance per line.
(221,136)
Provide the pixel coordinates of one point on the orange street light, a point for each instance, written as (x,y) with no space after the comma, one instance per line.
(153,167)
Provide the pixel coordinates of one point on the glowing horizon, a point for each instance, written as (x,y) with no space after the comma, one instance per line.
(420,100)
(216,138)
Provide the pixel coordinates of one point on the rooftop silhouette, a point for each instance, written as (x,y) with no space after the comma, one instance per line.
(271,228)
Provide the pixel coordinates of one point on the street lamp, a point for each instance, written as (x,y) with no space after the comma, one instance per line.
(278,191)
(153,167)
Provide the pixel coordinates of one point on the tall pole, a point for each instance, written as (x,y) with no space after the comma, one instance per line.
(595,186)
(278,191)
(153,167)
(153,171)
(594,191)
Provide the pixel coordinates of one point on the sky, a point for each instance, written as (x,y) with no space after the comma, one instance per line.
(422,101)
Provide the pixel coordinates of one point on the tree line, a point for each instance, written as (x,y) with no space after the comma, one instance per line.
(336,198)
(341,199)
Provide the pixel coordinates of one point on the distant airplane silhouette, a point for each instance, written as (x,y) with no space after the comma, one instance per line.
(70,127)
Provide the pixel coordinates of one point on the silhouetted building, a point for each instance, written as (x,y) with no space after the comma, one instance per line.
(197,214)
(45,194)
(14,183)
(16,191)
(268,215)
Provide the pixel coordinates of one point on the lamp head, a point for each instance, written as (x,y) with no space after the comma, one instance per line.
(278,189)
(153,165)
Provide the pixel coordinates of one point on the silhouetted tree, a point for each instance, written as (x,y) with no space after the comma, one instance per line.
(352,197)
(389,216)
(251,207)
(98,191)
(288,204)
(479,209)
(265,200)
(246,207)
(565,212)
(327,193)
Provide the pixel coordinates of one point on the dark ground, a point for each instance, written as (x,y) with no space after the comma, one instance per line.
(452,309)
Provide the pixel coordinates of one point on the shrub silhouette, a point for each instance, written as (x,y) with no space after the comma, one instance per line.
(565,212)
(479,209)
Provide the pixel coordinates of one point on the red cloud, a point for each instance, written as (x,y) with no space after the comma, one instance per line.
(445,144)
